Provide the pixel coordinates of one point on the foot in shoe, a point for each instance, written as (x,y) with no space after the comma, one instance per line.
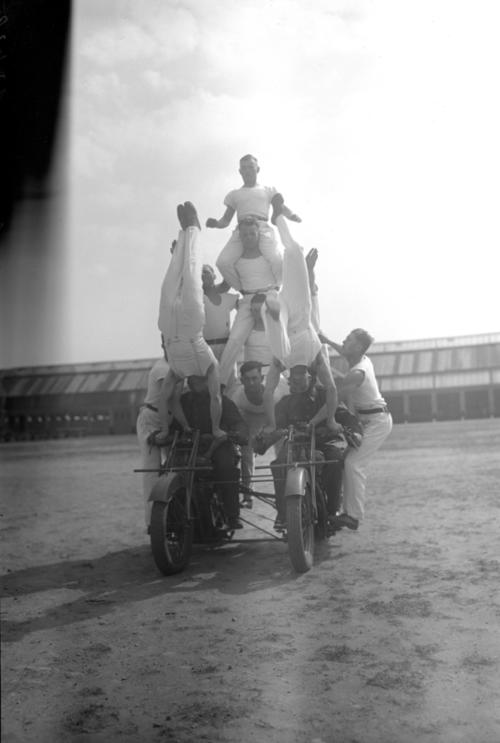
(344,519)
(235,524)
(181,215)
(277,202)
(279,525)
(191,215)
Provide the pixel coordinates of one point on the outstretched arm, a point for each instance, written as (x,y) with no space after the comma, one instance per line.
(213,380)
(223,221)
(272,379)
(287,212)
(336,346)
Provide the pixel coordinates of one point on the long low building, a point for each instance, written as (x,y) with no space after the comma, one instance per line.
(422,380)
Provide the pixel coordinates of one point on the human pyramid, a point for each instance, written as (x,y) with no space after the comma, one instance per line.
(276,283)
(276,324)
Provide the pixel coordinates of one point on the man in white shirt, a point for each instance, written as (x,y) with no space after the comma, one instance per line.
(248,398)
(219,304)
(360,390)
(256,277)
(251,200)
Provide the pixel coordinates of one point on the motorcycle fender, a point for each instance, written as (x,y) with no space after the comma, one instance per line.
(165,486)
(296,481)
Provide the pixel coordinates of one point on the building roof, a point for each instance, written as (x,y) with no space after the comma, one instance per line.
(399,365)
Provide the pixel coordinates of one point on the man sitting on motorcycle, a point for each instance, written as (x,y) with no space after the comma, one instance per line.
(221,452)
(306,405)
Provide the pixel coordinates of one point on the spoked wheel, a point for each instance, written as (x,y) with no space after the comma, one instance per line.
(321,526)
(300,531)
(171,533)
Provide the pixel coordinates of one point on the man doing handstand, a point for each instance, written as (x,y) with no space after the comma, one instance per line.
(291,335)
(181,320)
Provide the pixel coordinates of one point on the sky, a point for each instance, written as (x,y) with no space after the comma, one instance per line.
(378,121)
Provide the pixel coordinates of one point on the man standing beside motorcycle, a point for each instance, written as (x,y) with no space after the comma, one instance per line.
(221,452)
(360,389)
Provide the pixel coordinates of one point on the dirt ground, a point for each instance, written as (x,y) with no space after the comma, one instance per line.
(391,637)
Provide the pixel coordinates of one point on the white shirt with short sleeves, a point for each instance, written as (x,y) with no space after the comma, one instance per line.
(158,372)
(251,201)
(367,395)
(218,316)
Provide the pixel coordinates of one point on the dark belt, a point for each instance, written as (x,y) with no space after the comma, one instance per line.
(257,291)
(384,409)
(253,216)
(216,341)
(150,407)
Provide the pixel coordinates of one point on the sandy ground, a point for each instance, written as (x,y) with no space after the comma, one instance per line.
(392,636)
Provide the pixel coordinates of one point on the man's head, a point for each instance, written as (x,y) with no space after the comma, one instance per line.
(207,276)
(299,379)
(249,233)
(357,342)
(198,385)
(251,375)
(249,167)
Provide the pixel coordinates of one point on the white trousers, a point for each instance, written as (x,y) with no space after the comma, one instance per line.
(292,338)
(147,422)
(376,428)
(182,310)
(233,250)
(240,330)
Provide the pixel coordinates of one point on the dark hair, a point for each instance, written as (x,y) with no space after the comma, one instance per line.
(248,157)
(248,221)
(250,366)
(364,338)
(258,299)
(299,369)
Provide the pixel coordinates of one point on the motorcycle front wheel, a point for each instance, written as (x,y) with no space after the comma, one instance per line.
(300,531)
(171,533)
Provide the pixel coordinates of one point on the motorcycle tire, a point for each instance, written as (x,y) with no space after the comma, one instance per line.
(300,531)
(171,534)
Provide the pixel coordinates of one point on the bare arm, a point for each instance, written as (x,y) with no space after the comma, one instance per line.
(272,379)
(223,221)
(349,383)
(287,212)
(215,400)
(176,406)
(336,346)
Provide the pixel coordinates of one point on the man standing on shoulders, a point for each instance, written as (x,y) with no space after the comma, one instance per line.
(360,390)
